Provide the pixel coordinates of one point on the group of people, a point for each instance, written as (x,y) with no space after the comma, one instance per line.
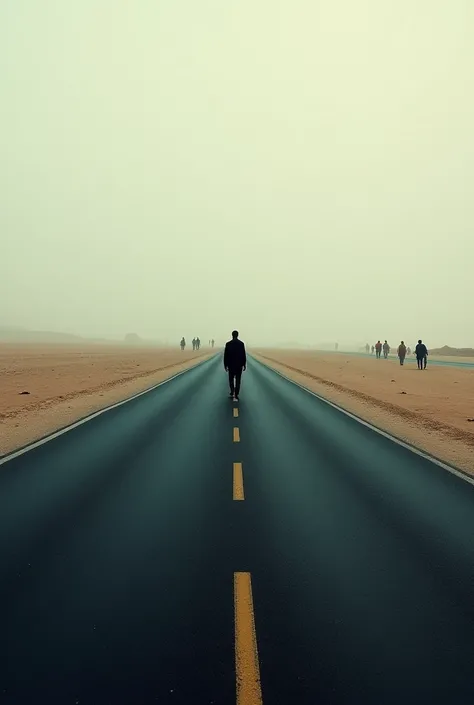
(421,352)
(378,348)
(196,343)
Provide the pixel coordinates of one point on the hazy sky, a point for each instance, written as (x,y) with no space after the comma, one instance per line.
(302,170)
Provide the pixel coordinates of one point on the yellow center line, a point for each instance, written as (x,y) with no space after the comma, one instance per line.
(236,413)
(236,434)
(238,481)
(247,670)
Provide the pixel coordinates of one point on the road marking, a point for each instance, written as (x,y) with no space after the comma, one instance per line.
(247,670)
(236,413)
(238,481)
(236,434)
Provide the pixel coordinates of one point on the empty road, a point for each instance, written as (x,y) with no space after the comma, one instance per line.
(180,548)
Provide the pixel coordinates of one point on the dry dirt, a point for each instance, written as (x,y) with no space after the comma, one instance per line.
(66,383)
(428,409)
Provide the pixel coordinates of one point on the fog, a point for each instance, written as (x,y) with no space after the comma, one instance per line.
(302,170)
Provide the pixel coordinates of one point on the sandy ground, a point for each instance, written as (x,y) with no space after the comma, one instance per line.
(428,409)
(452,358)
(66,383)
(438,358)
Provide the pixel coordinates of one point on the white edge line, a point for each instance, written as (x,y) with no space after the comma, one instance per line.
(16,453)
(454,471)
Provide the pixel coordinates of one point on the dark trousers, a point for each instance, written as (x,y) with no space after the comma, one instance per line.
(419,362)
(402,360)
(235,387)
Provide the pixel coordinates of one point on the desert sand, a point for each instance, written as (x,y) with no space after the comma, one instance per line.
(66,383)
(428,409)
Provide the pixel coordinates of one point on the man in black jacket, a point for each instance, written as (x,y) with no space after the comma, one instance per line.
(235,361)
(421,355)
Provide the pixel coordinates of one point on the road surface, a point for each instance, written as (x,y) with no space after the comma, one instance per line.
(171,551)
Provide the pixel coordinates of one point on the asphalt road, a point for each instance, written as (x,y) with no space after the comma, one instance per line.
(139,550)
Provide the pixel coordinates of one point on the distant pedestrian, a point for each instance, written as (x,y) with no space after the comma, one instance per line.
(194,343)
(378,349)
(373,349)
(408,351)
(421,353)
(235,362)
(182,343)
(386,349)
(402,352)
(212,343)
(198,343)
(367,348)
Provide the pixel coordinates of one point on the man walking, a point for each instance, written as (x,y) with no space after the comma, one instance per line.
(402,352)
(421,353)
(235,361)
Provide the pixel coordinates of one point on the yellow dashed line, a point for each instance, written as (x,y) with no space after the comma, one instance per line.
(236,413)
(238,482)
(247,670)
(236,434)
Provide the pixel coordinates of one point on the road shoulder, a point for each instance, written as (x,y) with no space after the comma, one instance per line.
(447,442)
(65,386)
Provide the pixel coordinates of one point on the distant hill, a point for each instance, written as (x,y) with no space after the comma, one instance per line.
(11,334)
(454,352)
(133,339)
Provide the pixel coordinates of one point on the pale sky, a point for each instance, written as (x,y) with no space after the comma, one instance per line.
(302,170)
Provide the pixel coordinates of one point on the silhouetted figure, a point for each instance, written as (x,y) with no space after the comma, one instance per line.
(421,353)
(378,348)
(198,343)
(182,343)
(367,348)
(212,343)
(194,343)
(402,352)
(373,349)
(408,351)
(386,349)
(235,361)
(336,347)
